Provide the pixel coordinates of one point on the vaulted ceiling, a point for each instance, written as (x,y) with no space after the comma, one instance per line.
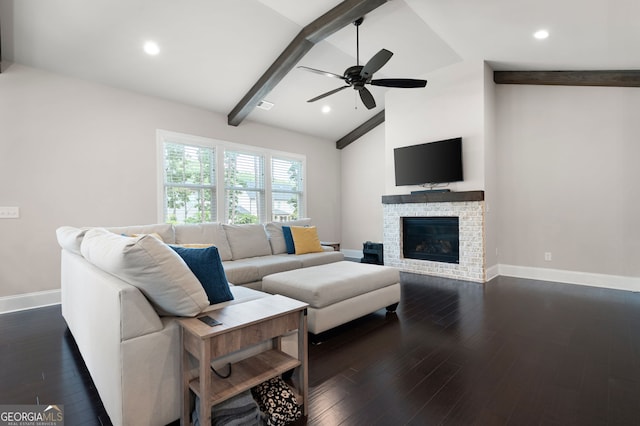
(213,52)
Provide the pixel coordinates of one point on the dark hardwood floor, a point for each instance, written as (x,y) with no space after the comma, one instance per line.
(40,364)
(511,352)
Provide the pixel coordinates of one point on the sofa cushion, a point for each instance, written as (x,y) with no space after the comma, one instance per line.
(204,233)
(151,266)
(305,239)
(315,259)
(248,240)
(276,237)
(272,264)
(240,295)
(206,266)
(165,230)
(239,273)
(70,238)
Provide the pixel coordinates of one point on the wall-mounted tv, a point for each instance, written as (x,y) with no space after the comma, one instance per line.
(429,163)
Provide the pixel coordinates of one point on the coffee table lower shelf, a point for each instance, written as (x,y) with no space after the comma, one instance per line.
(246,374)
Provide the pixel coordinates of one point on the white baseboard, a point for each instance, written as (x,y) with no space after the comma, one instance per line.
(29,301)
(352,254)
(492,272)
(615,282)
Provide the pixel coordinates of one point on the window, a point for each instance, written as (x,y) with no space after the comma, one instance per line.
(189,183)
(204,180)
(286,189)
(244,187)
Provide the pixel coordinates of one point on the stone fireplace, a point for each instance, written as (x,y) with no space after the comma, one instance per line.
(438,233)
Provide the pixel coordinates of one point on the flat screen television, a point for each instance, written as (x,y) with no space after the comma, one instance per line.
(429,163)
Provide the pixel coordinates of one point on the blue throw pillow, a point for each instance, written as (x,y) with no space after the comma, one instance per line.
(288,240)
(206,265)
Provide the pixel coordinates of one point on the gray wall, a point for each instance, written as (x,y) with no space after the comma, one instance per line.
(82,154)
(563,162)
(491,191)
(559,166)
(452,104)
(569,169)
(363,182)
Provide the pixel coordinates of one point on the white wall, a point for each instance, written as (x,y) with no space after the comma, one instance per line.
(451,105)
(559,167)
(491,192)
(363,183)
(559,175)
(82,154)
(568,175)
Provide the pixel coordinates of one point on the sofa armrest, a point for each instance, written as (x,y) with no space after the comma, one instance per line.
(137,315)
(89,294)
(103,313)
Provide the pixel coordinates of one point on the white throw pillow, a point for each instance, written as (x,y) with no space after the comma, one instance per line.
(70,238)
(248,240)
(151,266)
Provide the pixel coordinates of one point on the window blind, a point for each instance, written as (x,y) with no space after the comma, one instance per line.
(189,183)
(205,180)
(244,187)
(286,189)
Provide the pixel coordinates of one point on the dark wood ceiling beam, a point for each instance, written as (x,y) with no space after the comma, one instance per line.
(620,78)
(270,79)
(335,19)
(359,131)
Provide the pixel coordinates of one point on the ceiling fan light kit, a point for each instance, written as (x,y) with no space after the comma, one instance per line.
(359,75)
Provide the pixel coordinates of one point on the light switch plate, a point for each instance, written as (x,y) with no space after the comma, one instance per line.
(9,212)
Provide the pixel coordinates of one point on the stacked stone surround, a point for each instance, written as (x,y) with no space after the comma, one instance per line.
(471,221)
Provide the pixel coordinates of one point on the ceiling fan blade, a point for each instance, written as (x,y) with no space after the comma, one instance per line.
(367,98)
(375,63)
(325,73)
(324,95)
(406,83)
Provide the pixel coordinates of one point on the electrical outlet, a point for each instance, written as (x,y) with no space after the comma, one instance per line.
(547,256)
(9,212)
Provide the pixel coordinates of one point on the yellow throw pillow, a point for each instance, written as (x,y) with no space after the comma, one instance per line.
(305,239)
(153,234)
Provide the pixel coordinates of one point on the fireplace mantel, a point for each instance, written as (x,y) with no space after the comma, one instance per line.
(434,197)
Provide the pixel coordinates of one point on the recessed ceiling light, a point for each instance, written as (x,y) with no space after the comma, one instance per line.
(541,34)
(151,48)
(326,109)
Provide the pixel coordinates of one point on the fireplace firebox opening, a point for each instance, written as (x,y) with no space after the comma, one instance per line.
(431,238)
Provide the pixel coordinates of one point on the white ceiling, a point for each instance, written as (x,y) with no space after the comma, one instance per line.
(213,51)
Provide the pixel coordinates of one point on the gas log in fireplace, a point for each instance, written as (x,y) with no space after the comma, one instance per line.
(431,238)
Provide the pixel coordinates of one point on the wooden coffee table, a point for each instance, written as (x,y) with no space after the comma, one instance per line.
(243,325)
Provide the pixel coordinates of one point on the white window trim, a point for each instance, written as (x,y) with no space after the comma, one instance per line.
(220,146)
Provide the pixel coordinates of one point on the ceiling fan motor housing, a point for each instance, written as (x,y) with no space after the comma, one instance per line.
(353,77)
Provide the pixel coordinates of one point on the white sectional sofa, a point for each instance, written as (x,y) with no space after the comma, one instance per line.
(129,342)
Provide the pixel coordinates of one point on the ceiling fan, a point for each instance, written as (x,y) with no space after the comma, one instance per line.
(359,75)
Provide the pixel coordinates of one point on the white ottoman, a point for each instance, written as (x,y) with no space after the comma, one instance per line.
(338,292)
